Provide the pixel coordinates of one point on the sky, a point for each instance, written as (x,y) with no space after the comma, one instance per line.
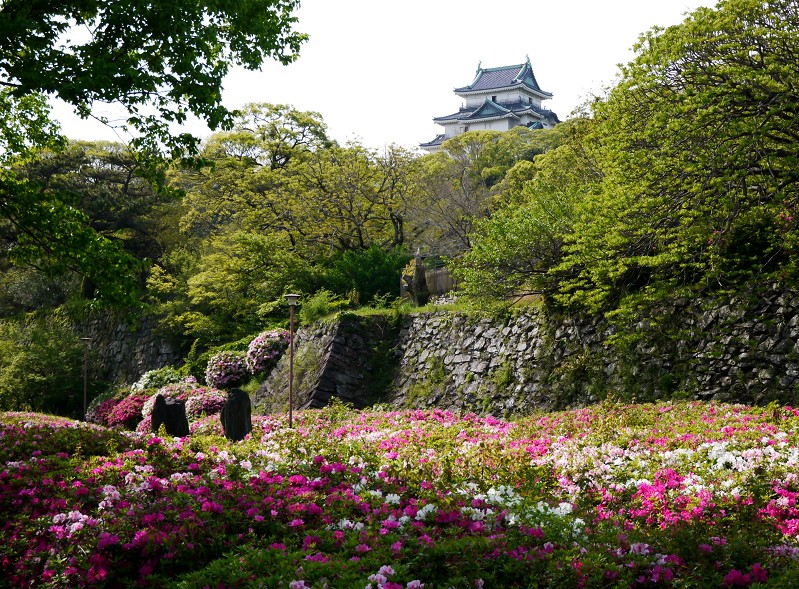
(378,71)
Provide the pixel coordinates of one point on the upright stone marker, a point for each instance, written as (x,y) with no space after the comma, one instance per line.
(237,415)
(171,413)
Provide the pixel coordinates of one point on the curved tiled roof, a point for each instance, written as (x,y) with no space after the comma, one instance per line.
(503,77)
(490,109)
(439,139)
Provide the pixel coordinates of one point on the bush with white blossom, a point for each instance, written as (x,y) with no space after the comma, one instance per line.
(179,390)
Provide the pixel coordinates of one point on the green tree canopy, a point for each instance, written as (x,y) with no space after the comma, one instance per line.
(245,184)
(458,185)
(515,251)
(699,144)
(159,60)
(350,198)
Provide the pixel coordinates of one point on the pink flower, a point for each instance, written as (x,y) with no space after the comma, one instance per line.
(736,578)
(759,574)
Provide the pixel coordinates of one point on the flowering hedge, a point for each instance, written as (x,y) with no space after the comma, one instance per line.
(226,368)
(265,350)
(667,495)
(99,410)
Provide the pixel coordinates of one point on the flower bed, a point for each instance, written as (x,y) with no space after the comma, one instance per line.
(668,495)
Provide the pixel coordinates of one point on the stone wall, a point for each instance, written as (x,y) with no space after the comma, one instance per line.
(350,359)
(745,350)
(121,352)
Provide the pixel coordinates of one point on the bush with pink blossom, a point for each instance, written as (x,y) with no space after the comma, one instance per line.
(204,401)
(179,390)
(99,410)
(265,350)
(226,369)
(128,411)
(663,495)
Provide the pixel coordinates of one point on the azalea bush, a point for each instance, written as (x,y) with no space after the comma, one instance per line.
(662,495)
(99,409)
(265,350)
(127,412)
(155,379)
(180,390)
(205,401)
(226,369)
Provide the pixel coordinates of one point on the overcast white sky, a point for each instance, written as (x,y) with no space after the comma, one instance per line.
(379,71)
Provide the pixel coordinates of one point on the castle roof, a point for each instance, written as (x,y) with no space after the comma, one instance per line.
(498,78)
(436,142)
(490,110)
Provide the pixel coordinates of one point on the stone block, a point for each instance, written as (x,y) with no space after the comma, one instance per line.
(236,415)
(171,413)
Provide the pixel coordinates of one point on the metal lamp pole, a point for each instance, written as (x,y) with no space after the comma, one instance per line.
(86,341)
(292,299)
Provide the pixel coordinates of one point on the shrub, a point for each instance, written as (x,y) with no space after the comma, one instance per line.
(145,426)
(265,350)
(370,272)
(101,406)
(179,390)
(197,358)
(155,379)
(204,401)
(128,411)
(320,305)
(226,369)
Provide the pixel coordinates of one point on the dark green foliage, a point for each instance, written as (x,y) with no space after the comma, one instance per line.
(41,367)
(371,273)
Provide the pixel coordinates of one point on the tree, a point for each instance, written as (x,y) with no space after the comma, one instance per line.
(699,144)
(245,183)
(112,185)
(351,198)
(41,360)
(516,250)
(158,60)
(457,185)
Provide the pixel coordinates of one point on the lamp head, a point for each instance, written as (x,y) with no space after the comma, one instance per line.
(292,299)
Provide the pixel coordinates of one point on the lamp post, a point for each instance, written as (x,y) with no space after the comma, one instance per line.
(292,299)
(86,341)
